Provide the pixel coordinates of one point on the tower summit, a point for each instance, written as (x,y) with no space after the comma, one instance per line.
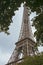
(25,44)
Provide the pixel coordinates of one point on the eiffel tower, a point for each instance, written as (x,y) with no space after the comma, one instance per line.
(25,44)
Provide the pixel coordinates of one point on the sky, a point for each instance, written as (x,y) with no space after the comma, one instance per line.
(7,42)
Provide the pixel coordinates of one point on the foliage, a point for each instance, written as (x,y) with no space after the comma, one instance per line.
(7,8)
(33,60)
(38,23)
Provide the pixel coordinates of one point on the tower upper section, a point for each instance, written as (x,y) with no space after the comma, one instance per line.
(26,31)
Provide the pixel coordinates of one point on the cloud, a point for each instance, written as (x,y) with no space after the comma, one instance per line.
(7,43)
(40,48)
(4,56)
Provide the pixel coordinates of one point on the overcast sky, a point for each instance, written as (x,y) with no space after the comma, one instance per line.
(7,42)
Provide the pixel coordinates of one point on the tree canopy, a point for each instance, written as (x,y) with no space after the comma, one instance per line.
(7,8)
(32,60)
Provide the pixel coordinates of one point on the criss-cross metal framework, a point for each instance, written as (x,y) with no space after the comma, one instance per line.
(25,44)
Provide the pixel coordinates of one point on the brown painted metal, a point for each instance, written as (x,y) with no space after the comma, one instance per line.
(25,44)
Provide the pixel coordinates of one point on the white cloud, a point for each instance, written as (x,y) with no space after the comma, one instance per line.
(7,42)
(40,48)
(4,56)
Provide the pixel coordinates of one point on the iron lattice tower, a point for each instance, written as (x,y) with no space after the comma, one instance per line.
(25,44)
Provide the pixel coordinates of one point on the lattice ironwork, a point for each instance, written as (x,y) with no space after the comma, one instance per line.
(25,44)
